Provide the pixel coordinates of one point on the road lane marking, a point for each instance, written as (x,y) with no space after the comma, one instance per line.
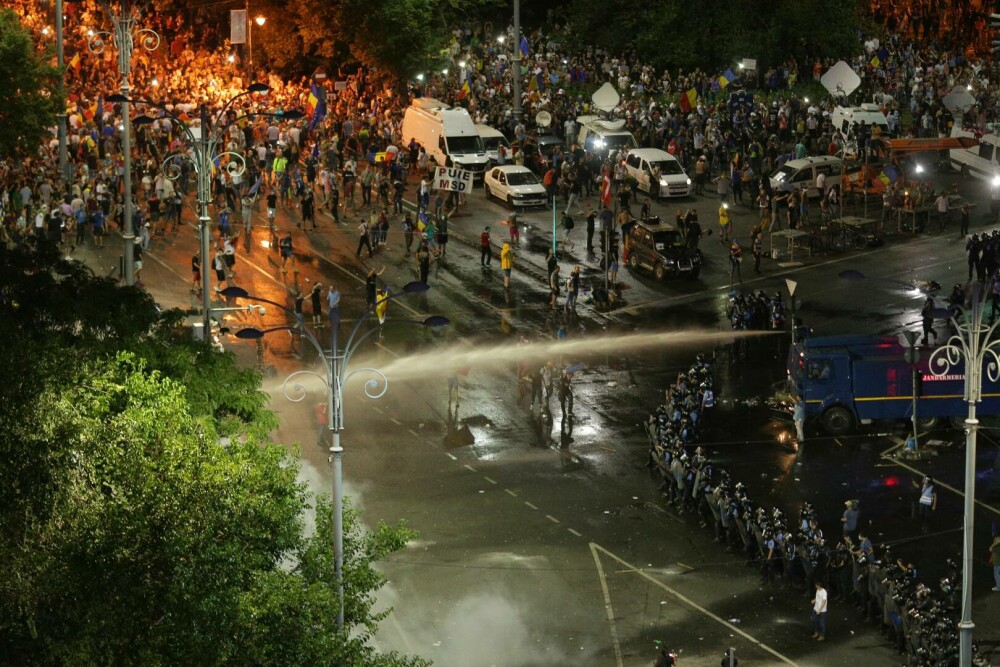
(938,482)
(469,467)
(395,421)
(551,518)
(609,610)
(413,433)
(451,456)
(510,493)
(530,505)
(686,567)
(574,532)
(686,600)
(489,479)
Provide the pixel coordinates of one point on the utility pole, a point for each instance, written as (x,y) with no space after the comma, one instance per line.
(204,157)
(912,356)
(61,63)
(516,60)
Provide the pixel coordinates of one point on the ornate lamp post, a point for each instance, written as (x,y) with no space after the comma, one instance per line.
(974,346)
(336,373)
(204,141)
(124,36)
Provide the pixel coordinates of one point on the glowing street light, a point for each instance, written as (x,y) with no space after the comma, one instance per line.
(445,71)
(501,38)
(260,20)
(461,63)
(230,58)
(420,77)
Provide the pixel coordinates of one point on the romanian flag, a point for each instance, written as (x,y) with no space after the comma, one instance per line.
(318,108)
(524,46)
(312,101)
(381,305)
(727,78)
(689,100)
(533,82)
(464,90)
(91,111)
(74,63)
(888,175)
(875,62)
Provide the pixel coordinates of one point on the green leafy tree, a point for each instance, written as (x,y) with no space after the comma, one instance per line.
(129,534)
(28,99)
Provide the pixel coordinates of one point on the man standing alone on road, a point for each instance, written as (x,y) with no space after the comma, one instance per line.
(485,248)
(506,263)
(927,502)
(819,613)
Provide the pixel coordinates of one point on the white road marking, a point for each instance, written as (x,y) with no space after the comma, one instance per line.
(396,421)
(413,433)
(510,493)
(574,532)
(938,482)
(530,505)
(489,479)
(451,456)
(686,600)
(619,661)
(551,518)
(468,466)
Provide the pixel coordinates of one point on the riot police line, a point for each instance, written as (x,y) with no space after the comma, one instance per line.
(919,619)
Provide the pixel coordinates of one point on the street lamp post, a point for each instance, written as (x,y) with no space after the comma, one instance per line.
(204,141)
(335,367)
(61,62)
(260,21)
(124,36)
(972,344)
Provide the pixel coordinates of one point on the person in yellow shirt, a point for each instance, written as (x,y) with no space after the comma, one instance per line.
(725,224)
(506,263)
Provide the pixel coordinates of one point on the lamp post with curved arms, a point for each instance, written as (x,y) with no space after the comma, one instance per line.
(335,366)
(204,141)
(124,37)
(972,344)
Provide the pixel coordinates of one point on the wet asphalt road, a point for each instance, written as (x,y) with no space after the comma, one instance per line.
(545,541)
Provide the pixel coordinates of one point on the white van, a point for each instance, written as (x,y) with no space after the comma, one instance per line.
(846,119)
(982,161)
(639,165)
(493,139)
(448,135)
(802,175)
(602,137)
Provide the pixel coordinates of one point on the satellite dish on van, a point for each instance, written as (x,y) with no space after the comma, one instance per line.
(959,100)
(543,119)
(606,98)
(840,80)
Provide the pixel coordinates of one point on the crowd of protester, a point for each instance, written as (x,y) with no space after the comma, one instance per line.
(919,619)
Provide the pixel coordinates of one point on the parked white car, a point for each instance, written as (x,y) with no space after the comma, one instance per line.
(518,186)
(639,165)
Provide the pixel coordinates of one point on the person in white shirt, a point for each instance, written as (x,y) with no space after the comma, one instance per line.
(819,613)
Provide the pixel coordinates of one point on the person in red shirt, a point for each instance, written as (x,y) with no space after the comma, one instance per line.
(485,248)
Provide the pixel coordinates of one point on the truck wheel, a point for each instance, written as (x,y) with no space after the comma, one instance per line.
(660,272)
(838,420)
(927,423)
(957,423)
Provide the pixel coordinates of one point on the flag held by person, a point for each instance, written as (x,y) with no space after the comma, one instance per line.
(689,100)
(74,63)
(464,91)
(606,190)
(727,78)
(524,46)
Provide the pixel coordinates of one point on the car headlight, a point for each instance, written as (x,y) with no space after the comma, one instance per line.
(689,181)
(671,262)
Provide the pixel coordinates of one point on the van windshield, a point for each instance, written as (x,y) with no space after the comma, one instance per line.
(668,167)
(619,141)
(493,143)
(784,174)
(467,144)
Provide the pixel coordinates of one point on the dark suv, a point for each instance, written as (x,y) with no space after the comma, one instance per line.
(662,248)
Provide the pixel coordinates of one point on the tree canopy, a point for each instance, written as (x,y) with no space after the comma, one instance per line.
(674,34)
(129,533)
(28,84)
